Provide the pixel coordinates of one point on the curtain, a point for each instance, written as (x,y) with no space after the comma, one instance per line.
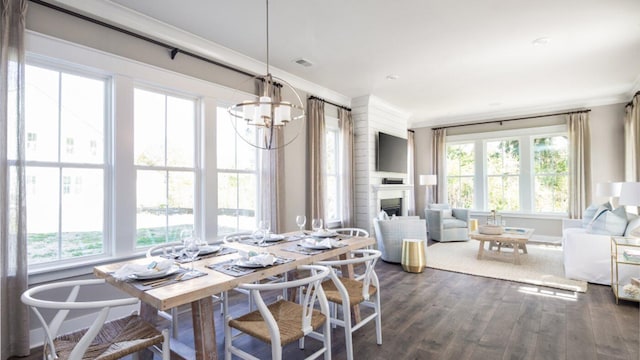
(579,163)
(271,170)
(14,321)
(438,162)
(411,173)
(632,140)
(316,145)
(347,138)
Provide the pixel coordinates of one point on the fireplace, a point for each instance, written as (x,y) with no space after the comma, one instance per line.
(391,206)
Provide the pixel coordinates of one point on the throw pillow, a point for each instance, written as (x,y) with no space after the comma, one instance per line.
(634,223)
(589,214)
(609,222)
(447,214)
(383,215)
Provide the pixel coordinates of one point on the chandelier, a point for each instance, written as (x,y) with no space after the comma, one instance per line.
(261,120)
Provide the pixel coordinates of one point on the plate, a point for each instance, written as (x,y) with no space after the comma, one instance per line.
(324,234)
(248,264)
(274,238)
(157,274)
(209,249)
(313,246)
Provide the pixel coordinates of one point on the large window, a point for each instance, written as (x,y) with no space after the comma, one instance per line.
(237,178)
(164,157)
(331,171)
(511,171)
(65,121)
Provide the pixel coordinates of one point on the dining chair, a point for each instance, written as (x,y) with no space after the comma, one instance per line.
(103,340)
(283,322)
(352,232)
(174,249)
(363,290)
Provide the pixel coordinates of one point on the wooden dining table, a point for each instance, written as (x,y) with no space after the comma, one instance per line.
(198,291)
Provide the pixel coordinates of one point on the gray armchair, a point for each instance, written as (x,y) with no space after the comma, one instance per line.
(447,224)
(390,233)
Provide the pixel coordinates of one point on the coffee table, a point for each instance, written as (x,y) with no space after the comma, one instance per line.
(512,238)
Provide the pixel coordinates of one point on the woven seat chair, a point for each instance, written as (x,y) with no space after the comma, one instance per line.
(352,232)
(102,340)
(362,290)
(283,321)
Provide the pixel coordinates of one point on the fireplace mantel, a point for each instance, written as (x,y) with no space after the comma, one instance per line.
(384,187)
(389,191)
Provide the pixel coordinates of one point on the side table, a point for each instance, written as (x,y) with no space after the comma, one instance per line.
(625,252)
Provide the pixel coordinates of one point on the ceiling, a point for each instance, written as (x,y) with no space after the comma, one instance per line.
(455,61)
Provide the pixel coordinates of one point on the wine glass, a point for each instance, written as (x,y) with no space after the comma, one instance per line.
(301,220)
(191,249)
(262,233)
(316,225)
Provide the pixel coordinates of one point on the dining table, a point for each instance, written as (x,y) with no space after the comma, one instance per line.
(198,291)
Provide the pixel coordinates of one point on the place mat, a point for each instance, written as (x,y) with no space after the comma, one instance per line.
(253,242)
(303,250)
(183,259)
(145,285)
(229,268)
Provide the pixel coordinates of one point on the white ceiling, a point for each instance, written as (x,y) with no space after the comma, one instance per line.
(457,60)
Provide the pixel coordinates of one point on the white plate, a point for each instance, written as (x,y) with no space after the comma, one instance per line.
(324,234)
(155,275)
(274,238)
(248,264)
(209,249)
(313,246)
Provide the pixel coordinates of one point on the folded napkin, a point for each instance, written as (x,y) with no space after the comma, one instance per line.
(264,259)
(147,269)
(324,233)
(318,243)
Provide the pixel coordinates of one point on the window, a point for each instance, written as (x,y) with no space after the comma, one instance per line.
(512,171)
(332,166)
(237,178)
(503,174)
(164,157)
(65,221)
(460,174)
(551,173)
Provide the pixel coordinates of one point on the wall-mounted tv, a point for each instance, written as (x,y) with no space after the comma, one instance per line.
(391,153)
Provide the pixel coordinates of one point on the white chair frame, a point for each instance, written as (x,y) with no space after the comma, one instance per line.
(313,294)
(102,307)
(368,278)
(352,231)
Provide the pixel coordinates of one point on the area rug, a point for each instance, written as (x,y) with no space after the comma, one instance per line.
(542,266)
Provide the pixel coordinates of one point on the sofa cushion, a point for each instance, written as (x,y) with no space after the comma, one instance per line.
(609,222)
(439,206)
(453,223)
(590,213)
(447,213)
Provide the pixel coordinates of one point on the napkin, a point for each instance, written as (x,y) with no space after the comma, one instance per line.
(146,269)
(321,243)
(324,232)
(264,259)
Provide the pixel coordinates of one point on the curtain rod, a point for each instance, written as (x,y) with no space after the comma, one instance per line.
(631,102)
(514,119)
(174,50)
(330,103)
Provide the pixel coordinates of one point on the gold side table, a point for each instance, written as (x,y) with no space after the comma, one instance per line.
(624,252)
(413,255)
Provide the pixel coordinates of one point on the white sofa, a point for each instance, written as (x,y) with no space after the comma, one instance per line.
(587,256)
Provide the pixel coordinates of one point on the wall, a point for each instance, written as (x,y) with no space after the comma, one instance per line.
(607,156)
(370,116)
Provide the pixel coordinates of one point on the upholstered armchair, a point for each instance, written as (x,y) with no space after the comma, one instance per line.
(447,224)
(390,233)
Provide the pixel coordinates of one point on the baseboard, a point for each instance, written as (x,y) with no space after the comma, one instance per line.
(556,240)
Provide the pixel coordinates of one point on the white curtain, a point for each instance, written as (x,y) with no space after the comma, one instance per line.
(271,167)
(316,149)
(579,163)
(14,321)
(411,172)
(347,175)
(439,152)
(632,140)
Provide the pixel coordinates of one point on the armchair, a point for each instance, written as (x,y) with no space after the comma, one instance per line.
(447,224)
(390,233)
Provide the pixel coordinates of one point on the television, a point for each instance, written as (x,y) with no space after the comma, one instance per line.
(391,153)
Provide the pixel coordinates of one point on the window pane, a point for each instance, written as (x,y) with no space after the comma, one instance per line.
(503,157)
(82,119)
(82,213)
(244,156)
(460,160)
(247,202)
(42,212)
(504,193)
(151,218)
(552,193)
(332,198)
(227,203)
(460,192)
(551,173)
(332,153)
(180,132)
(149,128)
(41,114)
(181,203)
(460,174)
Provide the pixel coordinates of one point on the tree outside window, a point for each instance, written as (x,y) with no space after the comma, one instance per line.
(460,174)
(551,173)
(503,175)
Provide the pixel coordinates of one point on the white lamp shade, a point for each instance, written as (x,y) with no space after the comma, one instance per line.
(608,189)
(428,179)
(630,194)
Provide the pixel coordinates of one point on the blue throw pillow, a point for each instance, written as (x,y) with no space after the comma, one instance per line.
(590,213)
(609,222)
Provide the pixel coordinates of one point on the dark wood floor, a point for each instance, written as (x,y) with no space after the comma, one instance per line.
(445,315)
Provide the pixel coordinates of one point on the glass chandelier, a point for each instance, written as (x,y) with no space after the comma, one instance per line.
(261,121)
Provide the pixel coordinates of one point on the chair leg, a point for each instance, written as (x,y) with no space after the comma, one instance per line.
(327,339)
(378,320)
(348,333)
(227,338)
(174,322)
(166,348)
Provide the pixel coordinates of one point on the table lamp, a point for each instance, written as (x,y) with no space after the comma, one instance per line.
(609,189)
(630,196)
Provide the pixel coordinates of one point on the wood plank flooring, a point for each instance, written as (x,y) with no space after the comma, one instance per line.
(445,315)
